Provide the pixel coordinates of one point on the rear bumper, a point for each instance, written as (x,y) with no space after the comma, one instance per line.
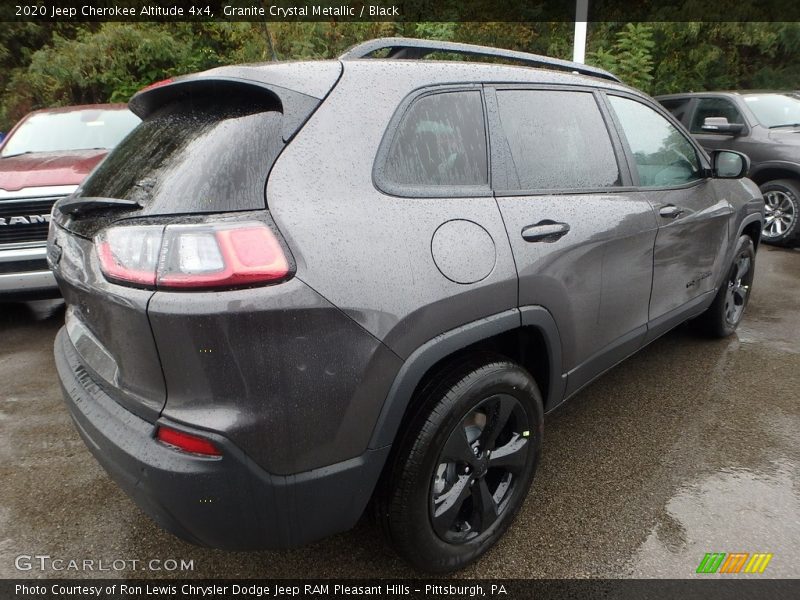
(24,275)
(227,502)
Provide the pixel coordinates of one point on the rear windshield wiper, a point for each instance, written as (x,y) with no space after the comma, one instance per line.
(74,206)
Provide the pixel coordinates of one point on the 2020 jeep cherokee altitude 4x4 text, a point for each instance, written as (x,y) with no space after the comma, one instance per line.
(297,287)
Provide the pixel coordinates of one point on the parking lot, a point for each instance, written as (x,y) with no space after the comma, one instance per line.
(692,446)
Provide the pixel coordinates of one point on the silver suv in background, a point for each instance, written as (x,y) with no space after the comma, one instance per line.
(766,127)
(298,287)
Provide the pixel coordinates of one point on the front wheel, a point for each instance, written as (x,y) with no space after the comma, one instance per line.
(726,312)
(464,465)
(782,212)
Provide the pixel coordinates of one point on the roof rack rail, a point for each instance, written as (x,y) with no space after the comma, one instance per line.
(411,48)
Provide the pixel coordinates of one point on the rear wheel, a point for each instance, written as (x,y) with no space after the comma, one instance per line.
(782,212)
(464,466)
(724,315)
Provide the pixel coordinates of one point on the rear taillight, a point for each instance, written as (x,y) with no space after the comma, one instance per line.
(130,254)
(187,442)
(192,256)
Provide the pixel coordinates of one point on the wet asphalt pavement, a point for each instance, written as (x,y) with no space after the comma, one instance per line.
(691,446)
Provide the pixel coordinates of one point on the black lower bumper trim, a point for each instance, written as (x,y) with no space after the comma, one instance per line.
(227,502)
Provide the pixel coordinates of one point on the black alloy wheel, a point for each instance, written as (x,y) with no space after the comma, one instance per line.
(463,464)
(478,469)
(726,311)
(738,290)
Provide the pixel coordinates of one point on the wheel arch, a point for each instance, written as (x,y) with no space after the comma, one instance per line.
(528,336)
(752,227)
(770,171)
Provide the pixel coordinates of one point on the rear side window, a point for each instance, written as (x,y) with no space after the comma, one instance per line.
(441,141)
(664,156)
(557,140)
(199,154)
(678,107)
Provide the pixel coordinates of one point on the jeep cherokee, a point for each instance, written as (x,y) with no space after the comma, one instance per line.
(299,287)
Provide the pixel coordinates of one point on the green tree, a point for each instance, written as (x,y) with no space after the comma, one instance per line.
(630,57)
(47,64)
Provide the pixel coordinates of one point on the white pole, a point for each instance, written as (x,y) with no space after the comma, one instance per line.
(581,16)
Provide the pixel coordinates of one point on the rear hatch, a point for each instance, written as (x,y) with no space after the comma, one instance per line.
(205,147)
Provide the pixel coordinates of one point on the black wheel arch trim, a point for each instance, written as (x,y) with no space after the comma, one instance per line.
(749,220)
(783,165)
(752,217)
(436,349)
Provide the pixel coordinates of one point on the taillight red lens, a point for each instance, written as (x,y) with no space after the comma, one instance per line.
(130,254)
(186,442)
(222,257)
(192,256)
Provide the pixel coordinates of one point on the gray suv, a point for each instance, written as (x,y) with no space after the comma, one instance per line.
(766,127)
(296,288)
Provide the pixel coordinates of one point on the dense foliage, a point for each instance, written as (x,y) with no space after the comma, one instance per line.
(58,64)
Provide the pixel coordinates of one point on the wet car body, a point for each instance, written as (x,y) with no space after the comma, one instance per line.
(302,386)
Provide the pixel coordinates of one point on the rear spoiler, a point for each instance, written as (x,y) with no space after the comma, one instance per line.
(310,82)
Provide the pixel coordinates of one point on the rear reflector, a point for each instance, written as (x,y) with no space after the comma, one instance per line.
(186,442)
(207,256)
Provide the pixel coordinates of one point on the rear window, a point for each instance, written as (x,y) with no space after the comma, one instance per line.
(208,155)
(86,129)
(441,141)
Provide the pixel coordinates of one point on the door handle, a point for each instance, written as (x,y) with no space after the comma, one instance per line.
(670,211)
(545,231)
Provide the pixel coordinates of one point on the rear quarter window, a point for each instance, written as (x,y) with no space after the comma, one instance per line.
(440,142)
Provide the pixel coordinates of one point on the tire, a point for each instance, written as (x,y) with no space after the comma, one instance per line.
(782,222)
(448,494)
(726,312)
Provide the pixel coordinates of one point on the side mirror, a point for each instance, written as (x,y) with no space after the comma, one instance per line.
(721,125)
(727,164)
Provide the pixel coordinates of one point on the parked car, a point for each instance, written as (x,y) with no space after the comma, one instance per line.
(298,287)
(766,127)
(43,158)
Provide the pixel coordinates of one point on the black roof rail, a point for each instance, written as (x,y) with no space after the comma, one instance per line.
(412,48)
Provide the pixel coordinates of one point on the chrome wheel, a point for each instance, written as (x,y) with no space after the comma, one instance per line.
(738,288)
(478,469)
(780,213)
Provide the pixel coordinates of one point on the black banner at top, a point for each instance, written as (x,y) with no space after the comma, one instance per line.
(398,10)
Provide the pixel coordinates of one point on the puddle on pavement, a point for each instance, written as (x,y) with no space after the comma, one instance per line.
(729,511)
